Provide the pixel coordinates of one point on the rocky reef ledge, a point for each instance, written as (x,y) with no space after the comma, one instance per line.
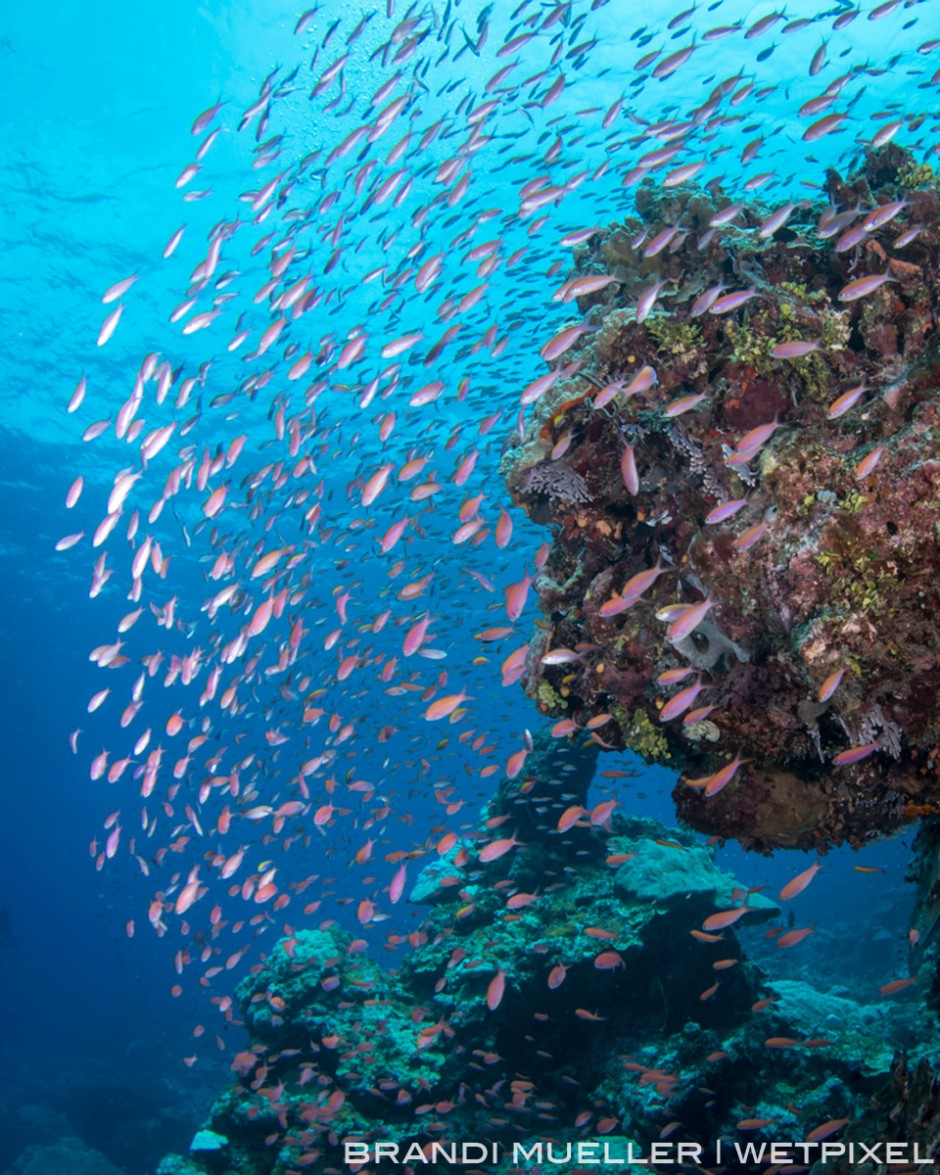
(736,449)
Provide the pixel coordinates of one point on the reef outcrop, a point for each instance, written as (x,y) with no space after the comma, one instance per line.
(586,983)
(737,449)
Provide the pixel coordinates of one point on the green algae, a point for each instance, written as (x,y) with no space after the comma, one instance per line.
(643,736)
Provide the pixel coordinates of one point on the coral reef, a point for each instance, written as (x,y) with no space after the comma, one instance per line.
(758,431)
(578,976)
(924,936)
(907,1111)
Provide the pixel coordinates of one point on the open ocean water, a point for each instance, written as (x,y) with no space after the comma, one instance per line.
(295,410)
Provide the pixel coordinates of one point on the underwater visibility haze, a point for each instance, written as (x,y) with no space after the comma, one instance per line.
(470,485)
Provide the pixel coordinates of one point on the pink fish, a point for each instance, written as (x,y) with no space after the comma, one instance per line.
(855,754)
(444,707)
(647,300)
(498,848)
(723,777)
(637,584)
(747,538)
(799,883)
(644,379)
(847,400)
(776,221)
(397,887)
(628,470)
(570,817)
(793,937)
(863,286)
(375,484)
(867,465)
(704,302)
(689,620)
(608,961)
(683,404)
(795,349)
(496,990)
(516,595)
(562,342)
(724,511)
(556,977)
(728,302)
(681,701)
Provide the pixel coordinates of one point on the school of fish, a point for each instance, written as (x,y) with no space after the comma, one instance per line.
(303,507)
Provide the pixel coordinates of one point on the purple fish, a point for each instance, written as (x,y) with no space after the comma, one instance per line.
(705,301)
(850,238)
(725,215)
(661,240)
(855,754)
(863,286)
(776,221)
(688,620)
(683,404)
(729,302)
(644,379)
(681,702)
(868,463)
(647,300)
(795,349)
(724,510)
(883,214)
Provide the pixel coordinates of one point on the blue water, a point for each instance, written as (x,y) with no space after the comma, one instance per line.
(95,130)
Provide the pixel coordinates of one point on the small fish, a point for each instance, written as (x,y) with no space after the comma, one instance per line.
(776,221)
(795,349)
(883,214)
(855,754)
(793,937)
(647,300)
(868,463)
(724,918)
(830,685)
(680,702)
(689,620)
(747,538)
(496,990)
(683,404)
(846,401)
(705,301)
(799,883)
(723,777)
(628,470)
(726,215)
(724,511)
(863,286)
(644,379)
(729,302)
(825,126)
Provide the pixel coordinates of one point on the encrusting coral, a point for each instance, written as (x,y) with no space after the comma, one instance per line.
(578,975)
(765,435)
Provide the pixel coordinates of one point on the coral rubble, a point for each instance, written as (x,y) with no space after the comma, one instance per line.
(751,418)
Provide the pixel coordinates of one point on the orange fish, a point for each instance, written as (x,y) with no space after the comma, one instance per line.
(799,883)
